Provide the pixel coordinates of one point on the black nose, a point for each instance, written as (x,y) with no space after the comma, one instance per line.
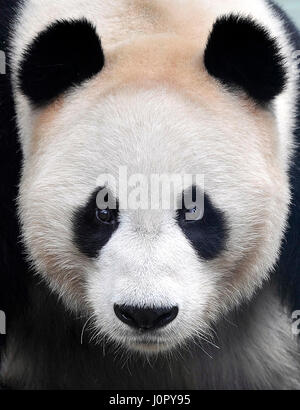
(145,318)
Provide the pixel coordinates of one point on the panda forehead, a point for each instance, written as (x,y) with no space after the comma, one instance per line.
(88,104)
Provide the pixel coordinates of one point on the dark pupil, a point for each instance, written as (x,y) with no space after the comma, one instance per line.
(104,215)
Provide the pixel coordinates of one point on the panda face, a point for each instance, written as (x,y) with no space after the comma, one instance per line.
(150,258)
(148,279)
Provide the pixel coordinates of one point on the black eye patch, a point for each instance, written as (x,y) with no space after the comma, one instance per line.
(91,231)
(209,233)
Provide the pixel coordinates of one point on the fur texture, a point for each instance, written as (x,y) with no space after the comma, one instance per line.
(209,233)
(64,55)
(13,278)
(155,109)
(90,235)
(241,53)
(289,262)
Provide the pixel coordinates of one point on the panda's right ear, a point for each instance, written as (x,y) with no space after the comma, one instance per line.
(63,55)
(242,54)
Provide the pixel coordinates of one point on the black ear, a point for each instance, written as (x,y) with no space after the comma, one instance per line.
(64,55)
(241,53)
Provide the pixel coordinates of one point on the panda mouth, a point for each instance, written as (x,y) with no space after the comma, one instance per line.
(149,345)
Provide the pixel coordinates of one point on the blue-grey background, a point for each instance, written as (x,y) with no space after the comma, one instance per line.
(292,7)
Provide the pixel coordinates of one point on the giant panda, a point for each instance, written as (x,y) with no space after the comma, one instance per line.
(116,298)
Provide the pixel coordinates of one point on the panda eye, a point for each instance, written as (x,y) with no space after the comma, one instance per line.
(105,216)
(191,210)
(190,214)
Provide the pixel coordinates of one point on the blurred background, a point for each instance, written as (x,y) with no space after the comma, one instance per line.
(292,7)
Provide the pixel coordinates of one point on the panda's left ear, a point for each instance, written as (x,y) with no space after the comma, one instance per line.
(241,53)
(63,55)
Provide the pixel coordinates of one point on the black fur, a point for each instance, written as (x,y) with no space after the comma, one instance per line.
(64,55)
(242,54)
(208,234)
(13,269)
(90,235)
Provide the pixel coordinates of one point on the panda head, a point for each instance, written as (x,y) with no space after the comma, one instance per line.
(150,278)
